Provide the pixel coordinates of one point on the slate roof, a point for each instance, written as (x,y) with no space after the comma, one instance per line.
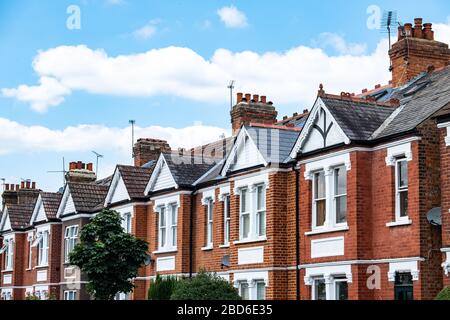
(88,197)
(274,144)
(20,215)
(135,179)
(357,119)
(189,169)
(51,201)
(421,98)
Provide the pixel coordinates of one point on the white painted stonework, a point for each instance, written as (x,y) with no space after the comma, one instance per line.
(251,182)
(397,151)
(223,191)
(403,266)
(250,277)
(327,271)
(251,255)
(326,164)
(7,279)
(208,194)
(327,247)
(41,275)
(165,201)
(165,263)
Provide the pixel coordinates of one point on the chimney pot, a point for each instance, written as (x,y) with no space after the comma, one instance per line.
(28,184)
(305,110)
(7,187)
(17,187)
(270,103)
(79,165)
(72,166)
(33,185)
(377,86)
(256,97)
(285,117)
(418,28)
(295,114)
(408,29)
(22,185)
(364,90)
(89,167)
(428,33)
(239,97)
(263,99)
(248,97)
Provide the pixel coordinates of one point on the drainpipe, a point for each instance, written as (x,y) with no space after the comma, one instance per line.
(297,232)
(191,235)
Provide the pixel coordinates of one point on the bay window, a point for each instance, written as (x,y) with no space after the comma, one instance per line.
(319,199)
(8,249)
(30,252)
(209,222)
(330,287)
(173,224)
(340,194)
(261,210)
(260,290)
(126,222)
(70,240)
(252,212)
(401,188)
(162,228)
(244,290)
(227,219)
(70,295)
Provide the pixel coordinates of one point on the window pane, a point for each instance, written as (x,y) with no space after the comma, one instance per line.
(174,214)
(162,239)
(341,209)
(320,213)
(262,223)
(402,174)
(162,217)
(340,181)
(174,236)
(403,195)
(245,225)
(261,198)
(244,290)
(319,289)
(260,291)
(341,290)
(244,200)
(319,185)
(227,206)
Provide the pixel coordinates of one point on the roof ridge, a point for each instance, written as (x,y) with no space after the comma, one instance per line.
(345,96)
(273,126)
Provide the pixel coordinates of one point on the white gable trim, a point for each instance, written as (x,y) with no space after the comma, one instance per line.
(37,209)
(309,125)
(5,224)
(65,198)
(155,175)
(239,141)
(116,184)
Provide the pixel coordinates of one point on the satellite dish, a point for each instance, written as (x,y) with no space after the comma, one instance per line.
(148,260)
(434,216)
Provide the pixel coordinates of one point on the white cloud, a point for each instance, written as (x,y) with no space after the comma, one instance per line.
(147,31)
(289,77)
(19,138)
(338,43)
(232,17)
(442,31)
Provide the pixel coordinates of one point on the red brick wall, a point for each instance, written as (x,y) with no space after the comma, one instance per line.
(445,195)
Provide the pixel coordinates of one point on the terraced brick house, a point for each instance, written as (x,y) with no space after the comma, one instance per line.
(347,201)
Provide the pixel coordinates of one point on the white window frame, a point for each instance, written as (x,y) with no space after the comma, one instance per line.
(259,282)
(241,284)
(398,189)
(43,249)
(330,222)
(252,287)
(127,219)
(170,225)
(30,252)
(7,294)
(70,240)
(335,196)
(9,254)
(330,285)
(173,224)
(252,212)
(226,218)
(209,225)
(261,211)
(70,295)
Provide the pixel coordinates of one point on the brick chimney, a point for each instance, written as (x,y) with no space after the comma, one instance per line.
(28,193)
(10,194)
(146,150)
(80,172)
(250,109)
(415,51)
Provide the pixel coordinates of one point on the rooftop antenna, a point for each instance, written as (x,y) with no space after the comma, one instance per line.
(231,87)
(98,155)
(132,122)
(389,19)
(63,171)
(3,183)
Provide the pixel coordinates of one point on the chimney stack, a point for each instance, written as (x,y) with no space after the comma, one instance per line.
(9,195)
(27,192)
(146,150)
(80,172)
(252,110)
(415,51)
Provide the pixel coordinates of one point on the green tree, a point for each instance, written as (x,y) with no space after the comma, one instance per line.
(108,256)
(162,288)
(205,286)
(444,294)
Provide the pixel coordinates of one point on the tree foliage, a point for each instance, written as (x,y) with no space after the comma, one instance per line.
(108,255)
(162,288)
(444,294)
(205,286)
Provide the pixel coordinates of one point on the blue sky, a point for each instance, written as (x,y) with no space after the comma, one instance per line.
(264,44)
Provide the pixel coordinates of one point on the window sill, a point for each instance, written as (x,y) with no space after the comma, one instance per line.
(250,240)
(399,223)
(165,251)
(207,248)
(329,230)
(41,267)
(7,270)
(224,246)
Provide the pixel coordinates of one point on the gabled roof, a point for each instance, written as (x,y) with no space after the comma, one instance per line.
(19,215)
(86,197)
(47,205)
(179,171)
